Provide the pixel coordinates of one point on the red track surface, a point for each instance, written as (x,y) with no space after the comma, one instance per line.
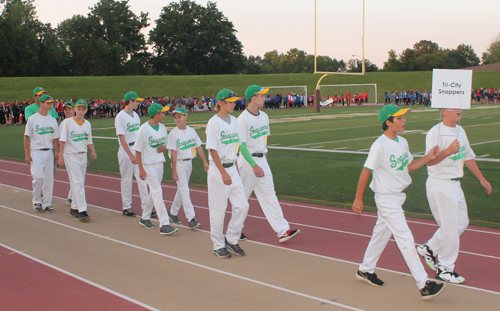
(327,231)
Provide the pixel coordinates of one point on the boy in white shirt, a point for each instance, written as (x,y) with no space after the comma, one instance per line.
(127,124)
(445,195)
(223,179)
(255,171)
(391,162)
(149,146)
(183,143)
(40,148)
(69,112)
(76,137)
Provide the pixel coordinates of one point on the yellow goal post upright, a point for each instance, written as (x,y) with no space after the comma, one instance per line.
(327,73)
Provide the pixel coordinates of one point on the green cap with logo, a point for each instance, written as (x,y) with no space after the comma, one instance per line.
(132,96)
(68,104)
(156,108)
(227,95)
(39,91)
(46,99)
(82,102)
(391,110)
(254,90)
(180,110)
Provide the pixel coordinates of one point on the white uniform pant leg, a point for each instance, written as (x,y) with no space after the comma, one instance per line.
(126,172)
(239,205)
(218,194)
(142,185)
(184,169)
(390,212)
(39,160)
(449,208)
(76,165)
(154,176)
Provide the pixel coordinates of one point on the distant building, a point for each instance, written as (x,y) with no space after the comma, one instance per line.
(489,67)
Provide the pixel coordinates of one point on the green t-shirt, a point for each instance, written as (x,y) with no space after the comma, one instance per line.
(33,108)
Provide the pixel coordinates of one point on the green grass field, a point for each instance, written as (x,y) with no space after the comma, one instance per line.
(313,160)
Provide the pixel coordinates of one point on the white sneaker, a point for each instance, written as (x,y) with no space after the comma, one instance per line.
(426,253)
(448,276)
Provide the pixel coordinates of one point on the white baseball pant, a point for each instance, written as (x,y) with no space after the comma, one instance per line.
(391,221)
(448,206)
(154,175)
(184,169)
(264,190)
(42,171)
(127,171)
(76,166)
(218,194)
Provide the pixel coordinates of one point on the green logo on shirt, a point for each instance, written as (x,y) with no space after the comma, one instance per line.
(459,155)
(78,136)
(229,138)
(183,145)
(44,130)
(258,132)
(155,143)
(402,161)
(133,127)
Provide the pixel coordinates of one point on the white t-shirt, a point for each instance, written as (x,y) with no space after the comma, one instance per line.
(76,136)
(254,130)
(389,159)
(184,142)
(223,138)
(453,165)
(41,130)
(127,126)
(148,139)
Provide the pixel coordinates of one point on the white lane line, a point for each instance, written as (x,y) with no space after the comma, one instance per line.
(483,156)
(286,290)
(79,277)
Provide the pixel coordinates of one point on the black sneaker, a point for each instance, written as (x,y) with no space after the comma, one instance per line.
(242,237)
(147,224)
(128,212)
(49,209)
(74,212)
(431,290)
(370,278)
(193,223)
(234,248)
(153,214)
(167,229)
(174,219)
(447,276)
(84,216)
(222,253)
(38,207)
(290,234)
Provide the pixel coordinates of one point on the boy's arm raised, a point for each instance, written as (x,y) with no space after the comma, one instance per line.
(416,164)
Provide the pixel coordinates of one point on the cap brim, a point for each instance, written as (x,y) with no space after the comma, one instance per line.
(81,105)
(139,99)
(166,108)
(402,112)
(41,92)
(49,101)
(67,106)
(232,99)
(263,91)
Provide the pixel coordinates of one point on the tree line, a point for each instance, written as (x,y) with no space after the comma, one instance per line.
(188,39)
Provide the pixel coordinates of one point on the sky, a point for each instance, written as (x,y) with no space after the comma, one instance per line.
(266,25)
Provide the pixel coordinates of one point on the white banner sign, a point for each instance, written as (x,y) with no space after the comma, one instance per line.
(451,88)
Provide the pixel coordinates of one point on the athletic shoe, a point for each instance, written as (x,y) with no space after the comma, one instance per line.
(49,209)
(370,278)
(235,248)
(242,237)
(74,212)
(222,253)
(84,216)
(426,253)
(153,214)
(147,224)
(167,229)
(289,234)
(449,276)
(431,290)
(38,207)
(174,219)
(69,201)
(128,212)
(193,223)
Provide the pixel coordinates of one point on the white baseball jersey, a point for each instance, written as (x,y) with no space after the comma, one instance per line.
(223,138)
(148,139)
(389,159)
(184,142)
(254,130)
(42,130)
(453,165)
(127,126)
(76,136)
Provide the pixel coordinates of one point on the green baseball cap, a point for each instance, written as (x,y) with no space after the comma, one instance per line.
(227,95)
(39,90)
(68,104)
(132,96)
(253,90)
(180,110)
(46,98)
(391,110)
(82,102)
(156,108)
